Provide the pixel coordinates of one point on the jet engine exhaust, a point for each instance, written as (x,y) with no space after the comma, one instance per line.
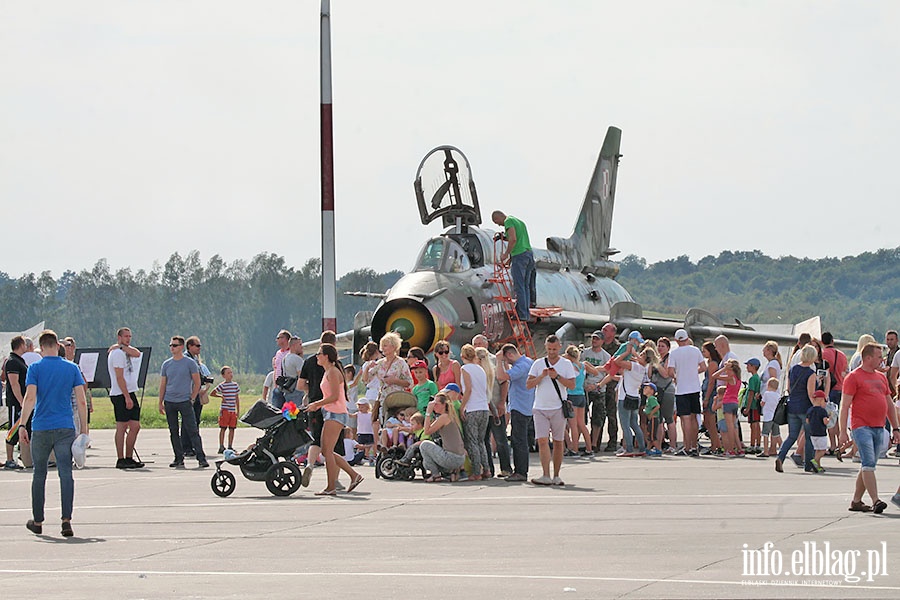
(409,318)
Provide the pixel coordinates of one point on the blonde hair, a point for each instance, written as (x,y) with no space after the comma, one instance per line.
(451,410)
(573,351)
(808,353)
(864,339)
(735,367)
(467,352)
(772,384)
(392,339)
(651,356)
(772,346)
(485,361)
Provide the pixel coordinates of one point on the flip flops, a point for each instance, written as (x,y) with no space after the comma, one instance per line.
(359,479)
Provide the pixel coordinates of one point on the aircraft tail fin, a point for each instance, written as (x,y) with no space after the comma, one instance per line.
(589,242)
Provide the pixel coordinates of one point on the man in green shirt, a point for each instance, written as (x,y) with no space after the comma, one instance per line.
(521,260)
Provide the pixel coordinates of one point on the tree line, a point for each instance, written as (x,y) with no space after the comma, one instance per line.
(236,309)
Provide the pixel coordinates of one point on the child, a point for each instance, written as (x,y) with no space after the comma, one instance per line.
(653,424)
(719,410)
(752,399)
(730,374)
(817,423)
(390,433)
(365,433)
(352,397)
(628,350)
(770,429)
(418,434)
(425,388)
(230,393)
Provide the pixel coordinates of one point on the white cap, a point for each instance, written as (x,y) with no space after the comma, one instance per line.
(681,335)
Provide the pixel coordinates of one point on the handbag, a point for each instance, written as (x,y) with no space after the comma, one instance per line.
(781,412)
(568,409)
(287,384)
(631,402)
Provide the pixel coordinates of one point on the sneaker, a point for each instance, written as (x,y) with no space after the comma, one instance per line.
(35,529)
(707,451)
(895,499)
(307,475)
(130,463)
(694,453)
(66,530)
(569,453)
(516,478)
(221,449)
(177,464)
(121,464)
(681,452)
(558,481)
(586,454)
(504,474)
(202,464)
(798,460)
(12,465)
(542,480)
(671,450)
(654,452)
(621,452)
(818,468)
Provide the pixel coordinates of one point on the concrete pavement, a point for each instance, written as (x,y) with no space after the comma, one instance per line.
(669,527)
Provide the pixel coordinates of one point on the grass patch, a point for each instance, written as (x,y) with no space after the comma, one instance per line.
(103,418)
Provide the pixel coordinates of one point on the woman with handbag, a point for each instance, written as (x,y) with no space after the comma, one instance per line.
(665,391)
(475,412)
(802,386)
(633,374)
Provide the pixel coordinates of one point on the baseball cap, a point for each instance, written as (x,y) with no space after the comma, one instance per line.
(681,335)
(636,335)
(819,394)
(420,365)
(753,361)
(597,333)
(452,387)
(650,384)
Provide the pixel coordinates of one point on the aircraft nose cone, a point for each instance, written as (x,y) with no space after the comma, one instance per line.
(404,327)
(407,317)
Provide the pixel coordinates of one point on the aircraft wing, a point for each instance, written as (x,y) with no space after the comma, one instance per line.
(700,325)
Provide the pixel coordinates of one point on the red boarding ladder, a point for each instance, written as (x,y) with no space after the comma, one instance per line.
(503,281)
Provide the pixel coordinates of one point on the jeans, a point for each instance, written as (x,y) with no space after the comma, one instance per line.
(870,443)
(524,276)
(277,397)
(519,435)
(185,438)
(437,460)
(189,423)
(474,429)
(631,429)
(796,424)
(499,433)
(43,442)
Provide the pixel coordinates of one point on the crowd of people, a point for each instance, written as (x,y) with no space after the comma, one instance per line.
(464,413)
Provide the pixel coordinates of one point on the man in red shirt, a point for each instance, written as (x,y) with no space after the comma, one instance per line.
(865,403)
(838,369)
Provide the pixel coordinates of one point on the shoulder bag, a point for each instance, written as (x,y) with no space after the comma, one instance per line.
(568,409)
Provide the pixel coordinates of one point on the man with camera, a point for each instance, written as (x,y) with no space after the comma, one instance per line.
(193,352)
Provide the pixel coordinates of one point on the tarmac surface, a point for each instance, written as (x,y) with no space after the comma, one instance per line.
(670,527)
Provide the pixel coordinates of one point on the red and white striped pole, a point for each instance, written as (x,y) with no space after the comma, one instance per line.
(329,294)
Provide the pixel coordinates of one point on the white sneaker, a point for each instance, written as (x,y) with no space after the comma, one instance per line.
(558,481)
(542,480)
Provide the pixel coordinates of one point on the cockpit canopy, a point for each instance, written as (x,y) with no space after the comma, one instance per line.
(442,255)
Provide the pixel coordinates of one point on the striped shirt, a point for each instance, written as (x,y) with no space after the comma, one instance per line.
(229,391)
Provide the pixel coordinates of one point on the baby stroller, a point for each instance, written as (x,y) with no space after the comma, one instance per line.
(264,461)
(387,465)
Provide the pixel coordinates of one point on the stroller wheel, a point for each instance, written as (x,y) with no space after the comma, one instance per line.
(386,468)
(222,483)
(283,478)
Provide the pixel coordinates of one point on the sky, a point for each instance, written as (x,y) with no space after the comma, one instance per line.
(132,130)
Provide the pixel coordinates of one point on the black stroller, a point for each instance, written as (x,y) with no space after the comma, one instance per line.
(388,463)
(264,460)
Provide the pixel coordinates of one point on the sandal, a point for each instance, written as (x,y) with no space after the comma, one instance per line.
(475,478)
(356,482)
(327,493)
(859,506)
(454,477)
(437,479)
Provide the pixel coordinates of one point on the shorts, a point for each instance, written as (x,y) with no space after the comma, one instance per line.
(730,408)
(667,408)
(227,419)
(546,421)
(753,416)
(687,404)
(869,444)
(352,423)
(578,400)
(365,439)
(819,442)
(122,414)
(771,428)
(342,418)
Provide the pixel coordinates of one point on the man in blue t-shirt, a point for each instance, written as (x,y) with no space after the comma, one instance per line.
(514,367)
(179,382)
(48,392)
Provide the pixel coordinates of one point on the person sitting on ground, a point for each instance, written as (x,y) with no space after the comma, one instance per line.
(450,456)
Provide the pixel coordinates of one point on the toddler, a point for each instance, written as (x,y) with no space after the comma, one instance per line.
(771,432)
(817,426)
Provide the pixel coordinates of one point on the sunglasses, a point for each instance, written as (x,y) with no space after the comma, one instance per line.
(174,345)
(442,352)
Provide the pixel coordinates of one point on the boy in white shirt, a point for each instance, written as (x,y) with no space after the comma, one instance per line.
(770,430)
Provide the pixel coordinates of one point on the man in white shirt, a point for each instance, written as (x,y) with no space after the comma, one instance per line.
(123,376)
(30,356)
(685,364)
(550,378)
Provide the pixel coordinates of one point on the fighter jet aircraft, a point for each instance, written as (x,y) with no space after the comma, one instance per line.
(453,291)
